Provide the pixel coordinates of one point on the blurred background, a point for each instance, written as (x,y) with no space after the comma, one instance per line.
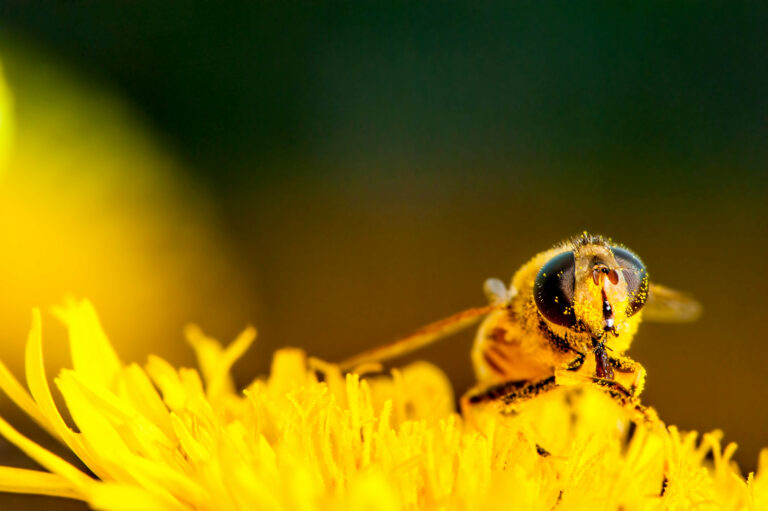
(339,175)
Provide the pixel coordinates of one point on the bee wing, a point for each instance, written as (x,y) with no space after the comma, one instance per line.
(669,306)
(420,338)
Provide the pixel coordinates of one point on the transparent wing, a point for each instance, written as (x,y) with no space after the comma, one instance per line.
(669,306)
(420,338)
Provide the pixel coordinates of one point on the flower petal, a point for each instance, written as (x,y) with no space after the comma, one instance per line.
(23,400)
(36,482)
(136,388)
(75,477)
(123,497)
(41,392)
(92,354)
(116,459)
(216,362)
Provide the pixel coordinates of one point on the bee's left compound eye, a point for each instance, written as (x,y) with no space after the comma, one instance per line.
(553,289)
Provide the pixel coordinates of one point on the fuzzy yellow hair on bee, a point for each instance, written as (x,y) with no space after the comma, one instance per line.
(568,317)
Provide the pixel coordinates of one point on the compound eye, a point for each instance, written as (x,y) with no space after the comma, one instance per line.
(553,289)
(635,276)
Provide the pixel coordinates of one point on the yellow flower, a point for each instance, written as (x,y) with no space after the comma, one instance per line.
(307,437)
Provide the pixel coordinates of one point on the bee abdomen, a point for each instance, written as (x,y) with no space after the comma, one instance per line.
(498,352)
(497,359)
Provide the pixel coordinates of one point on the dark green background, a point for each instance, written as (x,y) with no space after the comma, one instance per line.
(375,164)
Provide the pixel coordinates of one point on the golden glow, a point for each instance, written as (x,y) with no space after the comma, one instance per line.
(158,437)
(91,204)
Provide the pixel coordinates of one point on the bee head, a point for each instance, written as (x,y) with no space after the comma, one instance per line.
(591,285)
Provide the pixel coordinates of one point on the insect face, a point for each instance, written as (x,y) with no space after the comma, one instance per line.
(592,288)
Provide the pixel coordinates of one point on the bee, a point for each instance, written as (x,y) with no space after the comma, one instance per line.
(568,317)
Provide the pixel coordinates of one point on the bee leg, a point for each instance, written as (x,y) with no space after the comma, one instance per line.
(613,388)
(618,392)
(576,363)
(567,374)
(509,392)
(628,366)
(519,390)
(506,396)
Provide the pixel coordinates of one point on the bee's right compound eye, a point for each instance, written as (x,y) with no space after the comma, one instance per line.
(636,277)
(553,289)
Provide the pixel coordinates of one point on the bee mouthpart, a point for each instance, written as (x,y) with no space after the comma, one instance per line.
(608,324)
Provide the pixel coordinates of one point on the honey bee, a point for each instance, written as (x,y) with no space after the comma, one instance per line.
(568,317)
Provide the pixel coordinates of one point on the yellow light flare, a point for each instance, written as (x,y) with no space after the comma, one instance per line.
(91,204)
